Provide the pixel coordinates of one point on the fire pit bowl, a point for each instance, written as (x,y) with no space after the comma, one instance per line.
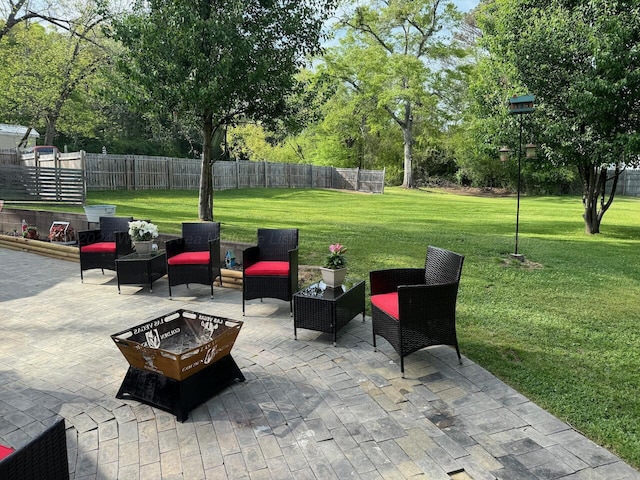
(179,360)
(178,344)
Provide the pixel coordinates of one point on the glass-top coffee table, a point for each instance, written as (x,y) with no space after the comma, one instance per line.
(325,309)
(141,269)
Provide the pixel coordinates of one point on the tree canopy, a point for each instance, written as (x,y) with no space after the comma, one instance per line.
(581,59)
(393,56)
(219,62)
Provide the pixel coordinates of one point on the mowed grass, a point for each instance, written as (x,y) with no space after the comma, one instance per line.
(563,328)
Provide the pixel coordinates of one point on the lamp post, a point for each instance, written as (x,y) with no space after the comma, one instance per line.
(519,106)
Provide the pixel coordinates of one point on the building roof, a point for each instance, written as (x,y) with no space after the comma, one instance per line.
(6,129)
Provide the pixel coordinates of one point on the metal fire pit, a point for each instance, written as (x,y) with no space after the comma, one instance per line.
(179,360)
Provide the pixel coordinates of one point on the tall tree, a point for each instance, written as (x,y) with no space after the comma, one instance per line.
(580,59)
(44,67)
(220,61)
(393,56)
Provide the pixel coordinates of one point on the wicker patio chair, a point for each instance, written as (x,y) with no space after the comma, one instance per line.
(414,308)
(99,248)
(44,457)
(270,269)
(195,257)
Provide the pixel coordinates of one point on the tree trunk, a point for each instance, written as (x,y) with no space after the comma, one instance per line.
(205,199)
(211,151)
(407,132)
(594,183)
(52,121)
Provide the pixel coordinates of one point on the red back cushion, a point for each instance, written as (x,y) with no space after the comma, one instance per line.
(189,258)
(100,247)
(388,303)
(268,268)
(4,451)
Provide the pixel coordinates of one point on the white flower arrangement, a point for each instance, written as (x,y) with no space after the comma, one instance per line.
(142,231)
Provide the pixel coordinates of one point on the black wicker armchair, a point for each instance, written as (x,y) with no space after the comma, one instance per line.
(195,257)
(44,457)
(414,308)
(270,269)
(99,248)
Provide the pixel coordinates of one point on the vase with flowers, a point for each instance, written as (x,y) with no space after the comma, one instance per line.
(335,266)
(142,234)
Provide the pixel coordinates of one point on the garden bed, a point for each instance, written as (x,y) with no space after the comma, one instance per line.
(41,247)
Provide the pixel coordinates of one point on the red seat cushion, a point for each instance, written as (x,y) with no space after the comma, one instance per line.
(388,303)
(4,451)
(268,268)
(100,247)
(189,258)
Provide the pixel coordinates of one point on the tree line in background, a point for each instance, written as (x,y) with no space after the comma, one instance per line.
(412,86)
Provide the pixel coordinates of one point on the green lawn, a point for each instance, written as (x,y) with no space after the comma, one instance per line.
(564,329)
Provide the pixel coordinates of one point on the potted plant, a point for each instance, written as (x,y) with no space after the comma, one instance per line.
(335,266)
(142,234)
(31,233)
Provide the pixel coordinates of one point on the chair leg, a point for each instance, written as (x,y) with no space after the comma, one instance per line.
(81,276)
(291,308)
(243,305)
(170,297)
(402,365)
(211,290)
(459,356)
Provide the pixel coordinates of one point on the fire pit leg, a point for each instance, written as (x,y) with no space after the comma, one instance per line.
(179,396)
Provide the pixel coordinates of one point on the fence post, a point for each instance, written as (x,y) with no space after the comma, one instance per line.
(266,173)
(83,166)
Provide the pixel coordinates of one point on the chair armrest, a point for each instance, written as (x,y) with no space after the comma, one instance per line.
(293,268)
(87,237)
(123,243)
(424,302)
(174,247)
(387,281)
(214,253)
(250,256)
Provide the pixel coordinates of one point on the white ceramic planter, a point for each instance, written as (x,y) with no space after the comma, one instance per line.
(144,247)
(333,278)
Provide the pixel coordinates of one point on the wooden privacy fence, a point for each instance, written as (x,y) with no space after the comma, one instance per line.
(137,172)
(41,184)
(628,183)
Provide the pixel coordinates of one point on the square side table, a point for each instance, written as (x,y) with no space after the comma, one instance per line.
(326,309)
(141,269)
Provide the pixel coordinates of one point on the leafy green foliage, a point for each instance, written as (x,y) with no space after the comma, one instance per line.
(49,74)
(581,61)
(219,62)
(389,59)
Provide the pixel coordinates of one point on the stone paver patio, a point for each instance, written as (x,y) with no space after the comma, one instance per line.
(308,410)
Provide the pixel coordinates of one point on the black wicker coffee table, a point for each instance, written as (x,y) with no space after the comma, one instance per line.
(326,309)
(141,269)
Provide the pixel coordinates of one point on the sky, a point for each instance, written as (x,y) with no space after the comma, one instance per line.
(466,5)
